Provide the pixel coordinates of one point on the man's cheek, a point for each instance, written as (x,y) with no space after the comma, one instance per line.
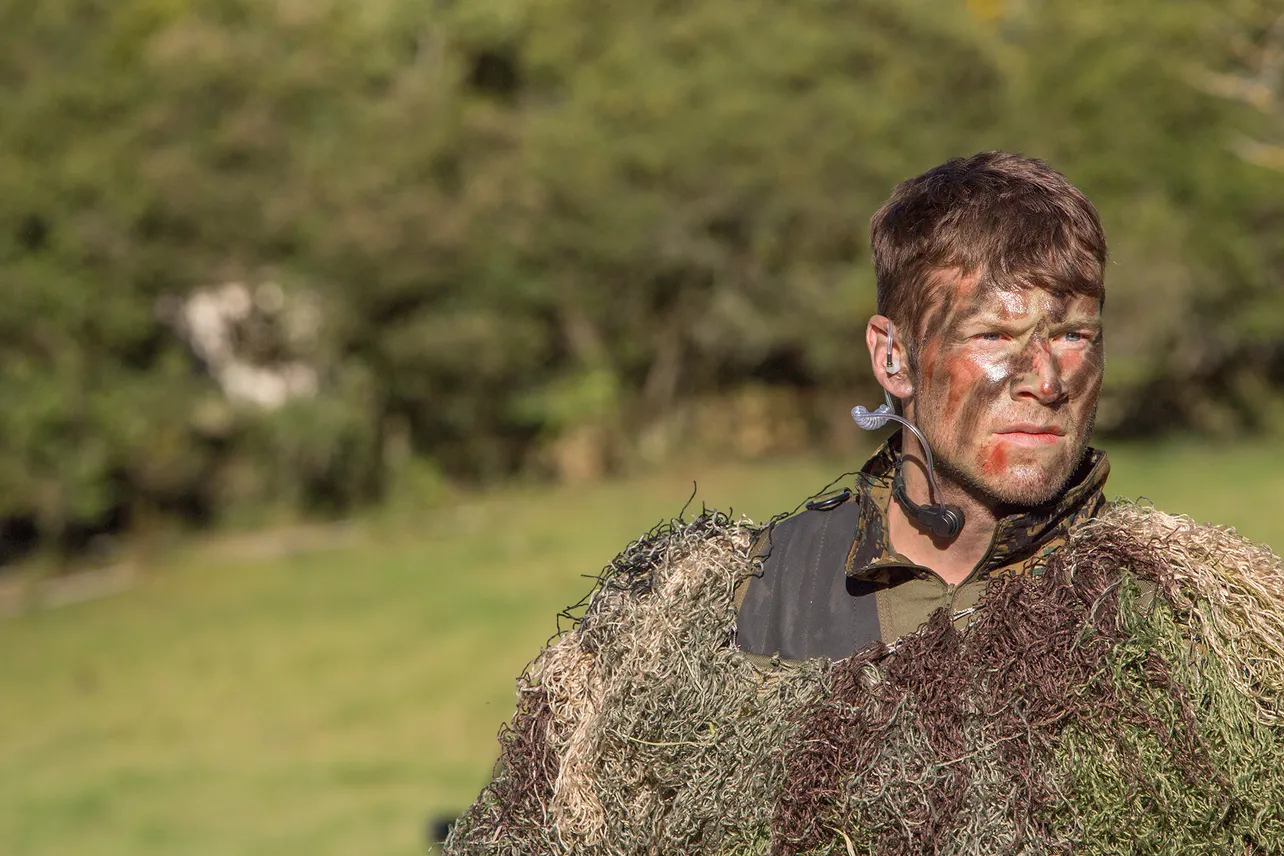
(1082,372)
(958,377)
(971,410)
(994,457)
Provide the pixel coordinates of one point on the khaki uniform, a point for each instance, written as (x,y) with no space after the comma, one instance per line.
(832,582)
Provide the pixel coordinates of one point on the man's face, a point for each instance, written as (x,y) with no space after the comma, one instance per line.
(1006,387)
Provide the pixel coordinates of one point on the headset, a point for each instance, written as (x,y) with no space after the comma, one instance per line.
(944,521)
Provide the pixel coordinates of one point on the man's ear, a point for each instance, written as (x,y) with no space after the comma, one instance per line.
(897,382)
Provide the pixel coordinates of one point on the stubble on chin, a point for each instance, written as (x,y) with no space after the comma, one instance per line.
(1038,485)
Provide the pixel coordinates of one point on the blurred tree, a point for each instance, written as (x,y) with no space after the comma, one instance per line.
(539,231)
(148,148)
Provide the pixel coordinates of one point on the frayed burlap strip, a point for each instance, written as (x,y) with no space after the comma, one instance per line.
(1125,700)
(662,731)
(1227,589)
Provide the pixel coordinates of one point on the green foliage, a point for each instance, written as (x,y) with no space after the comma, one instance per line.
(532,221)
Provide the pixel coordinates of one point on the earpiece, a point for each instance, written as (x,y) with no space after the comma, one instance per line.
(893,365)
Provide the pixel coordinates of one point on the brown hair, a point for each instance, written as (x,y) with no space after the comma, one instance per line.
(1012,220)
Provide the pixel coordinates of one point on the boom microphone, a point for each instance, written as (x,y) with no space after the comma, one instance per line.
(944,521)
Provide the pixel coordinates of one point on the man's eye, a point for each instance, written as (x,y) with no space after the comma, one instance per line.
(1075,336)
(991,336)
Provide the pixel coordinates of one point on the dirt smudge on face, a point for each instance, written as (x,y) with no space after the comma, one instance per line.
(980,399)
(997,459)
(1084,379)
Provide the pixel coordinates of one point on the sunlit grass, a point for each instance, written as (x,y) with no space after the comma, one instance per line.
(328,702)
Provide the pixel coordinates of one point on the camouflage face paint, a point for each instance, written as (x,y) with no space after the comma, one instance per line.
(1006,388)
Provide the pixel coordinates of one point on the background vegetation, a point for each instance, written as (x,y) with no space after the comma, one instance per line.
(565,238)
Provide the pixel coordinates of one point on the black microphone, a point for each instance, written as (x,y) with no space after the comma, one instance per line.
(944,521)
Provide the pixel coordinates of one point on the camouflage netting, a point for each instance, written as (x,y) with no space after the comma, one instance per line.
(1130,699)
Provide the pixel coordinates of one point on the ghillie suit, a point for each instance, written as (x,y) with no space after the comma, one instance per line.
(1129,699)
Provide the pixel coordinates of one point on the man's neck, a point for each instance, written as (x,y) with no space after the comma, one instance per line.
(953,560)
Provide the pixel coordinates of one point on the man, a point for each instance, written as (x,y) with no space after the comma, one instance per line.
(1141,676)
(991,280)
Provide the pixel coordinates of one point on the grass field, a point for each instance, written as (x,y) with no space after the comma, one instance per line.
(325,701)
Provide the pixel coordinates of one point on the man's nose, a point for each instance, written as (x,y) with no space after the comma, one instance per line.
(1042,378)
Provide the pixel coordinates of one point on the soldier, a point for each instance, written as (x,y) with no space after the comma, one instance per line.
(1129,666)
(991,281)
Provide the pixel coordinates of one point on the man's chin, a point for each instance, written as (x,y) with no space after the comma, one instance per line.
(1027,495)
(1022,486)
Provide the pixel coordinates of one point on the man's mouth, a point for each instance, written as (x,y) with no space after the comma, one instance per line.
(1031,434)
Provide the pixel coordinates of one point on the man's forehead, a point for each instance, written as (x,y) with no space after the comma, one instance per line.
(977,296)
(1015,302)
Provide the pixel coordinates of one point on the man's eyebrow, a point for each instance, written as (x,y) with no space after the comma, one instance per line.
(968,314)
(988,318)
(1077,323)
(985,316)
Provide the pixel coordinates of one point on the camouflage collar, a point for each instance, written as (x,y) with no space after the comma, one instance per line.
(1019,537)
